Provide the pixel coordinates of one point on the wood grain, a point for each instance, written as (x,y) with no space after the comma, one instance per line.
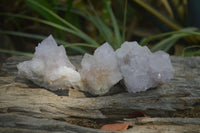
(21,100)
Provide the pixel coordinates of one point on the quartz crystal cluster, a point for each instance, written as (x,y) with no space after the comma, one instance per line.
(50,67)
(142,69)
(139,68)
(100,71)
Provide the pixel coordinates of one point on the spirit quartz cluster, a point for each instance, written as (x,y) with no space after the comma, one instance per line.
(50,67)
(100,71)
(142,69)
(136,65)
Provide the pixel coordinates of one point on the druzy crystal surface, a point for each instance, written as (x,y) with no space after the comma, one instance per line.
(50,67)
(100,71)
(142,69)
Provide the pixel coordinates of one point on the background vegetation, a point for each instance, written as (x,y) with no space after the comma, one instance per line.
(83,25)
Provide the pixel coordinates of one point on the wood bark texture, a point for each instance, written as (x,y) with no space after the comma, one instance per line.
(25,107)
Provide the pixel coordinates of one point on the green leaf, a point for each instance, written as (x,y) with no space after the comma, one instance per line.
(115,25)
(41,11)
(68,10)
(79,44)
(192,53)
(71,28)
(124,22)
(158,15)
(167,43)
(190,30)
(104,30)
(40,37)
(16,52)
(58,26)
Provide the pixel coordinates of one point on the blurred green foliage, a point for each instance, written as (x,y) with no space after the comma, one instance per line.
(81,26)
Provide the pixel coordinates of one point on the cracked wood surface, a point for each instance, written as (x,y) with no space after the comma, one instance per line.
(27,102)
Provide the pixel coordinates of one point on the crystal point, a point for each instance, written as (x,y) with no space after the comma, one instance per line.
(142,69)
(50,67)
(100,71)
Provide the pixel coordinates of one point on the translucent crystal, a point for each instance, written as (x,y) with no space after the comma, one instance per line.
(142,69)
(50,67)
(100,71)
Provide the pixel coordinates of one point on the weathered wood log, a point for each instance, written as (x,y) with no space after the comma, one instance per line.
(181,96)
(168,125)
(18,123)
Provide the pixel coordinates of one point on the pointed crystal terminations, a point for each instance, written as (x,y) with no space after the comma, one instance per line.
(100,71)
(139,68)
(50,67)
(142,69)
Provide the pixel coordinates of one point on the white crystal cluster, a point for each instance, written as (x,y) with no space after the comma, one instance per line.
(100,71)
(136,65)
(50,67)
(142,69)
